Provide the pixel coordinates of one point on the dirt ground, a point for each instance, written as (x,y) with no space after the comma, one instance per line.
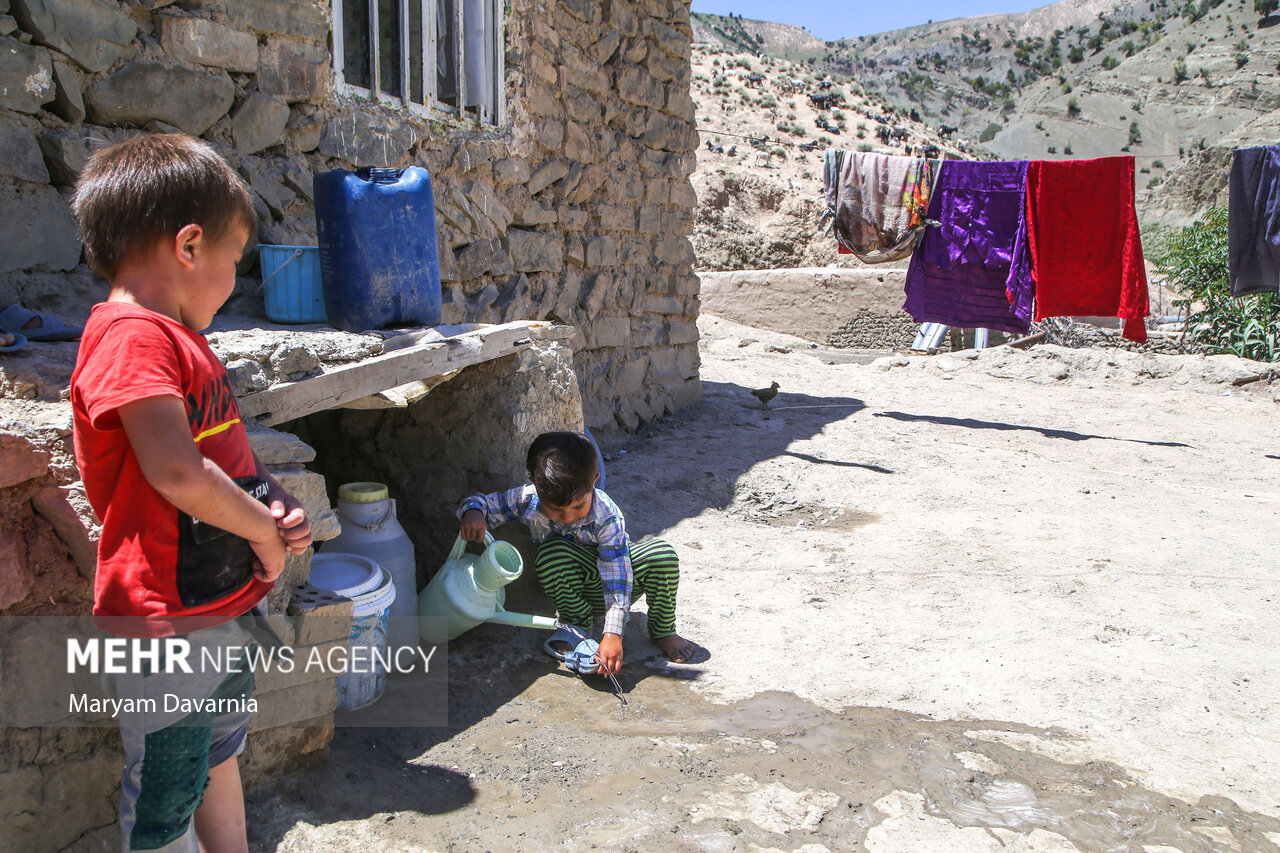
(1009,601)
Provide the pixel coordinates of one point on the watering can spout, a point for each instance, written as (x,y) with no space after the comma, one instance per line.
(522,620)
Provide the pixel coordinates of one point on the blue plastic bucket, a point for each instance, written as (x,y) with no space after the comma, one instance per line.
(294,289)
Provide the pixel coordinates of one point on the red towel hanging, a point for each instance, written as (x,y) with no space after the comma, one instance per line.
(1086,253)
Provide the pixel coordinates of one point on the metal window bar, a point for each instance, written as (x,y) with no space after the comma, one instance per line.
(406,91)
(499,62)
(375,52)
(428,55)
(459,58)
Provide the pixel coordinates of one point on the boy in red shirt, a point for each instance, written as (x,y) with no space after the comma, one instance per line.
(194,529)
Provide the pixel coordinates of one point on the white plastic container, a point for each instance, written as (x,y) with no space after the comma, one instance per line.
(370,528)
(372,593)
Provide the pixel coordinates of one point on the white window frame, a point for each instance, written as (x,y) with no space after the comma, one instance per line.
(428,40)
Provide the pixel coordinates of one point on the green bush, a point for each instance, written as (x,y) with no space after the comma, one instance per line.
(989,132)
(1109,62)
(1193,261)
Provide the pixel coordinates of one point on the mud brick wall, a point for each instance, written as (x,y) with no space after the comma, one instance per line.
(578,209)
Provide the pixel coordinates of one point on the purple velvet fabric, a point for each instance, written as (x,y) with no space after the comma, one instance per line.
(972,269)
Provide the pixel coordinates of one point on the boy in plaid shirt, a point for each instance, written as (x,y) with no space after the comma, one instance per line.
(585,563)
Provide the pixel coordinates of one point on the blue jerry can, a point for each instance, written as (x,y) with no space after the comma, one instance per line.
(378,258)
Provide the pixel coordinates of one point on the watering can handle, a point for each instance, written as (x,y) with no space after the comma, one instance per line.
(461,545)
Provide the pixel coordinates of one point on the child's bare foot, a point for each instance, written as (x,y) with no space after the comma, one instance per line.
(676,647)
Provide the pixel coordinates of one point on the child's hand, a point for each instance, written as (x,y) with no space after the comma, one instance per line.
(610,654)
(269,555)
(291,520)
(473,527)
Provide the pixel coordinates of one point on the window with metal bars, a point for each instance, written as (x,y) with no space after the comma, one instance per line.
(425,52)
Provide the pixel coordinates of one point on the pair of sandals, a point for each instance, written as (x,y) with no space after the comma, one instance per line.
(15,319)
(581,658)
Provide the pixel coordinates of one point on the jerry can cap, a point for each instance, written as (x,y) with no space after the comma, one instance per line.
(362,493)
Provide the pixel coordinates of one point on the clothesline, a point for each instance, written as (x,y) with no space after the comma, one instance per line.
(788,144)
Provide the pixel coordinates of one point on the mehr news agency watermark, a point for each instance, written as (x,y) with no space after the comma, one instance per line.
(173,655)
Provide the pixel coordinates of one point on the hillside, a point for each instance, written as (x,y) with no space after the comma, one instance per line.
(759,207)
(1175,85)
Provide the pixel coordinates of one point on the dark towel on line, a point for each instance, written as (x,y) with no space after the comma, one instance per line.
(1253,221)
(1082,230)
(972,269)
(878,202)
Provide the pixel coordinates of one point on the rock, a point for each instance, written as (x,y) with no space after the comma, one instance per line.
(576,145)
(20,154)
(68,103)
(291,362)
(306,19)
(636,86)
(486,204)
(547,174)
(601,252)
(141,92)
(246,376)
(67,510)
(516,302)
(305,129)
(483,257)
(258,123)
(40,232)
(94,33)
(533,251)
(550,133)
(26,76)
(277,448)
(477,305)
(510,170)
(294,71)
(367,139)
(16,579)
(299,180)
(20,461)
(203,42)
(64,156)
(534,214)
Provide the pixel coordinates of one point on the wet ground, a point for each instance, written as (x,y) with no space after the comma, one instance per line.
(564,766)
(1008,603)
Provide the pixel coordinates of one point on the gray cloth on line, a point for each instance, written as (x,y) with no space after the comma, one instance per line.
(1253,221)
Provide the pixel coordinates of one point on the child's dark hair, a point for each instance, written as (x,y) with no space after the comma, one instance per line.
(562,466)
(133,195)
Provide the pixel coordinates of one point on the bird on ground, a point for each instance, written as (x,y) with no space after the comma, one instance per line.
(764,395)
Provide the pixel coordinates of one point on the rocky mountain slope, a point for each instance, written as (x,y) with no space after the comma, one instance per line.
(759,205)
(1175,85)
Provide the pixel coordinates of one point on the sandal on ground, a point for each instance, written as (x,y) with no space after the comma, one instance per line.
(19,340)
(15,318)
(561,635)
(582,659)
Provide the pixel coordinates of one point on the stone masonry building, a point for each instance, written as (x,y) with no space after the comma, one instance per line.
(562,194)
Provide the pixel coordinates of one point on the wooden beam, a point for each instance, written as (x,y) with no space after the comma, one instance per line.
(372,376)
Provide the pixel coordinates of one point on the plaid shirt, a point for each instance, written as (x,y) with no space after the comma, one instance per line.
(603,527)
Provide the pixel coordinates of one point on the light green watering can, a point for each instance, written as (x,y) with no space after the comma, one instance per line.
(468,590)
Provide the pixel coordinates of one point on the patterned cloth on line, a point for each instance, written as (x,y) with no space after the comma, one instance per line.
(973,269)
(877,202)
(1253,221)
(603,528)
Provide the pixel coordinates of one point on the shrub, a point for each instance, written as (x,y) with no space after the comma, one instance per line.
(1073,108)
(989,132)
(1066,149)
(865,147)
(1193,261)
(1109,62)
(1179,71)
(1242,59)
(1265,8)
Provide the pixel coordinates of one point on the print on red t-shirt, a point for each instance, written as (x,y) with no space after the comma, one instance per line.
(158,574)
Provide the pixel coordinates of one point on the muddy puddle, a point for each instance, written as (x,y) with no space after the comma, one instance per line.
(538,760)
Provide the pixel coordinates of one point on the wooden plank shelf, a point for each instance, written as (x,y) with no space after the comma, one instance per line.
(397,377)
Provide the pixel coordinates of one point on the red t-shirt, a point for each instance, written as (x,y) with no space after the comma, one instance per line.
(159,573)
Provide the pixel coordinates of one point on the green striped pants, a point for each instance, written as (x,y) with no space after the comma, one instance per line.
(568,574)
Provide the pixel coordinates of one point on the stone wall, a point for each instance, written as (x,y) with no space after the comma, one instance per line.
(578,210)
